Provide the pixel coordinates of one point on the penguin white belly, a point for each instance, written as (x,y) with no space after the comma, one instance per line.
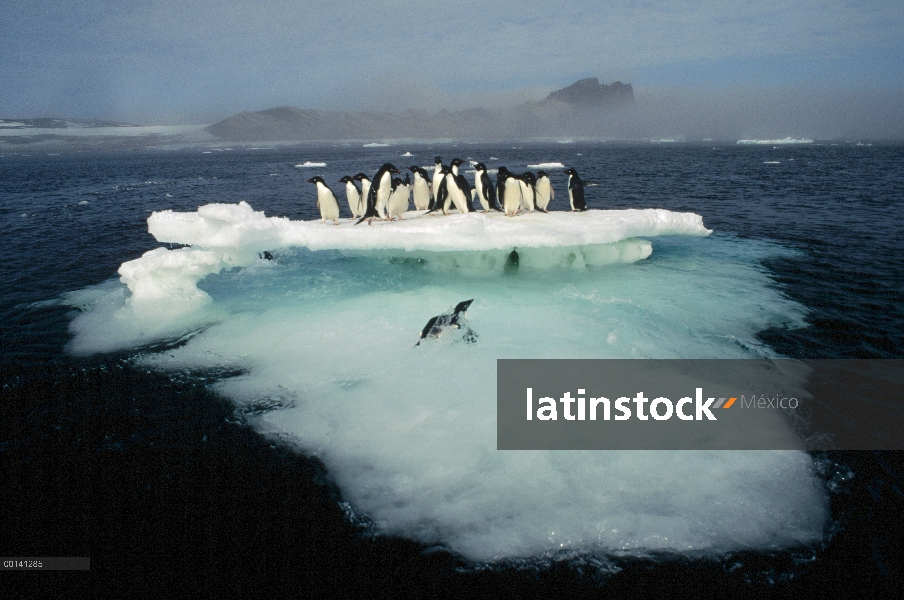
(421,193)
(354,199)
(398,201)
(437,178)
(384,189)
(511,199)
(456,195)
(478,188)
(326,201)
(544,191)
(527,196)
(570,194)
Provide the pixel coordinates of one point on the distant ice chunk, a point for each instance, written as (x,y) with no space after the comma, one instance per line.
(83,203)
(311,164)
(408,154)
(375,145)
(547,165)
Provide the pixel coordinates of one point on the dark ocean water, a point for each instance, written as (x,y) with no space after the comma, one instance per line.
(157,479)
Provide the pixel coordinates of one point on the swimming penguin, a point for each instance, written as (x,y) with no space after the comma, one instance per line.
(508,190)
(379,192)
(528,193)
(438,176)
(326,200)
(484,188)
(451,320)
(575,190)
(365,191)
(353,194)
(420,188)
(398,200)
(544,192)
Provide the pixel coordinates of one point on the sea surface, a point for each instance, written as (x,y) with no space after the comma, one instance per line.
(198,462)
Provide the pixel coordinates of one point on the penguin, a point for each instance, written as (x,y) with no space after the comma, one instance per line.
(353,194)
(459,193)
(438,325)
(509,192)
(453,166)
(441,192)
(544,192)
(528,193)
(575,191)
(420,188)
(365,191)
(399,199)
(326,200)
(484,188)
(438,176)
(379,192)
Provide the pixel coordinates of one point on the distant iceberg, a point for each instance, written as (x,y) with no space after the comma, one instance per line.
(375,145)
(787,140)
(311,164)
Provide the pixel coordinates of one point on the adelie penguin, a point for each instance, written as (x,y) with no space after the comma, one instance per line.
(544,192)
(528,193)
(440,191)
(326,200)
(379,192)
(398,200)
(508,189)
(459,189)
(365,191)
(450,321)
(420,188)
(353,194)
(438,176)
(484,188)
(575,190)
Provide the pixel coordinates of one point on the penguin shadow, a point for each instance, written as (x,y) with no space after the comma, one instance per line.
(452,324)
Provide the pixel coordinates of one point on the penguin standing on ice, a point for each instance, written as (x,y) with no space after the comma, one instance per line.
(509,192)
(365,191)
(528,193)
(420,188)
(353,194)
(440,192)
(459,192)
(438,176)
(326,200)
(575,191)
(379,192)
(484,188)
(399,199)
(544,192)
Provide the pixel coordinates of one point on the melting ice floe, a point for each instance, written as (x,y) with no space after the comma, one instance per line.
(547,165)
(224,236)
(308,163)
(408,433)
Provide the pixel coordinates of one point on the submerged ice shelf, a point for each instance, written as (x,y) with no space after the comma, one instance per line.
(224,236)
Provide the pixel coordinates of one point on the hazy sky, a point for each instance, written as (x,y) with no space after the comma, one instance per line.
(168,61)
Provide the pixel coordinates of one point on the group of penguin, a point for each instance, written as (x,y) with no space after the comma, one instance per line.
(387,198)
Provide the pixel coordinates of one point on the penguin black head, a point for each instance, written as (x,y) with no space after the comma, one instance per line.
(480,167)
(413,168)
(437,160)
(444,170)
(396,182)
(346,179)
(529,177)
(570,171)
(457,162)
(316,179)
(391,168)
(361,177)
(502,170)
(541,174)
